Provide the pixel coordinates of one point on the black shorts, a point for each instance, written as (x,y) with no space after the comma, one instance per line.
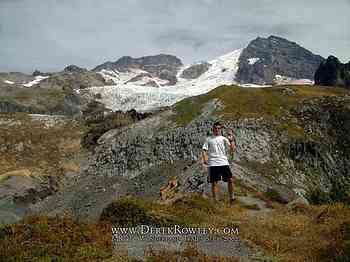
(218,172)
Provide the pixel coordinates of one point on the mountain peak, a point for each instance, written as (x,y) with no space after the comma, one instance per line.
(74,69)
(264,58)
(278,38)
(163,66)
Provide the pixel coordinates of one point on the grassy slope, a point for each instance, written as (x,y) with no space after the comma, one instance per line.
(299,233)
(43,151)
(39,98)
(269,103)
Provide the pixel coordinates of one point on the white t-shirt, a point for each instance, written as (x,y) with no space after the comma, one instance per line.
(216,147)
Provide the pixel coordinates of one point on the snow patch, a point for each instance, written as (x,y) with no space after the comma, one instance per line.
(254,85)
(9,82)
(36,81)
(253,60)
(286,80)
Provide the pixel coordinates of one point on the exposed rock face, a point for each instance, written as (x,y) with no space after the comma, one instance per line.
(74,69)
(129,152)
(195,71)
(266,57)
(162,66)
(139,77)
(333,73)
(329,118)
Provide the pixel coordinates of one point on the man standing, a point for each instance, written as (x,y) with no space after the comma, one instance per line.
(215,157)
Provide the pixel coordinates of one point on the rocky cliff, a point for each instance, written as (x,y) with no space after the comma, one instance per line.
(264,58)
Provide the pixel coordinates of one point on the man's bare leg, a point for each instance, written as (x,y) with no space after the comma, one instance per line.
(214,189)
(230,188)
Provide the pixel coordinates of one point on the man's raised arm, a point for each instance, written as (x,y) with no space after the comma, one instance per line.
(204,157)
(232,146)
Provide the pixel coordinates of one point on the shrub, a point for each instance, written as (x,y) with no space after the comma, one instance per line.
(128,212)
(338,193)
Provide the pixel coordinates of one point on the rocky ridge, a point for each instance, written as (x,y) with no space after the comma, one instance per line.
(162,66)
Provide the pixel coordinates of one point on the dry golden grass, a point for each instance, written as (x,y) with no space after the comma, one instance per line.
(298,234)
(21,172)
(288,233)
(28,144)
(55,239)
(70,167)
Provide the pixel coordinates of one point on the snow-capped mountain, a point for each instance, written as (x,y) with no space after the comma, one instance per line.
(150,82)
(127,94)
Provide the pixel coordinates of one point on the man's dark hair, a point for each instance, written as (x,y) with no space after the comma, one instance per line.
(217,124)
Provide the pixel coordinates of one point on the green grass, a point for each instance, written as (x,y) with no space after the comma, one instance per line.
(241,102)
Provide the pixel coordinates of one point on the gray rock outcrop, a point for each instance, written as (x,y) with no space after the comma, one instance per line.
(264,58)
(195,71)
(74,69)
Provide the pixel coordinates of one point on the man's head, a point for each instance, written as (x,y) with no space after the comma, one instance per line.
(216,128)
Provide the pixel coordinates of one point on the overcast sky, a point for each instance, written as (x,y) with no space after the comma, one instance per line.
(50,34)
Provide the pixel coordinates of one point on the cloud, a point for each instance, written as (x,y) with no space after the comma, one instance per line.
(49,34)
